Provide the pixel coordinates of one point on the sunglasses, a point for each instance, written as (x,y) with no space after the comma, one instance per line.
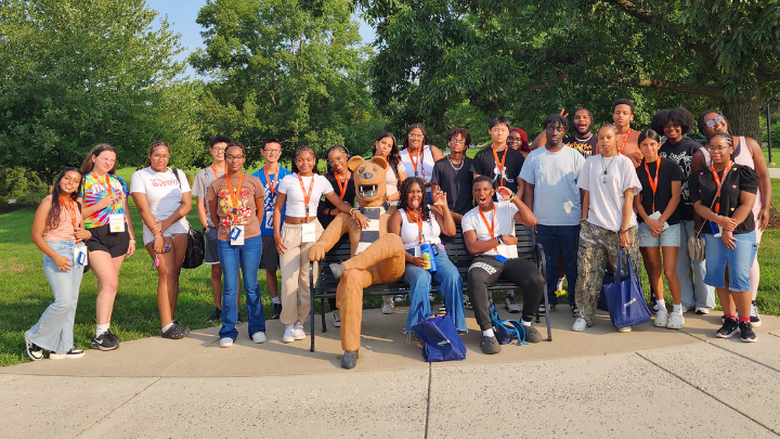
(717,119)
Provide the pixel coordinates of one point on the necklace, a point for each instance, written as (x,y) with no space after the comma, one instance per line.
(606,168)
(453,165)
(583,140)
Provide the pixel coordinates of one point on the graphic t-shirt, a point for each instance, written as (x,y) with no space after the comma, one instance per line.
(243,212)
(163,192)
(269,200)
(485,164)
(456,182)
(681,154)
(586,146)
(668,173)
(95,189)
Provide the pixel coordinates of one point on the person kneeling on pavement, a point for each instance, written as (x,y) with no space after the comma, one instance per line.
(488,232)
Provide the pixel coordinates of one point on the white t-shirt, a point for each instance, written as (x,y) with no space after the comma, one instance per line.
(554,176)
(606,199)
(424,169)
(504,224)
(291,186)
(431,231)
(162,192)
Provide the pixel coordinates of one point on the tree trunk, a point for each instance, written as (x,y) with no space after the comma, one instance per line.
(743,116)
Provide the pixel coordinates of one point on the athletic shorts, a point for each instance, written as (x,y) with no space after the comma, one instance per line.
(269,260)
(116,244)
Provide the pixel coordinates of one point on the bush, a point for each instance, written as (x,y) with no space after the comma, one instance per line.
(17,181)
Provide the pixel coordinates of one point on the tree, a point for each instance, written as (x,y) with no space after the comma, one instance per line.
(530,58)
(77,73)
(287,69)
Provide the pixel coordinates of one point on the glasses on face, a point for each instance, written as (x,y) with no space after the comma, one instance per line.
(511,139)
(717,148)
(230,158)
(458,141)
(273,151)
(161,156)
(337,159)
(715,120)
(218,150)
(415,136)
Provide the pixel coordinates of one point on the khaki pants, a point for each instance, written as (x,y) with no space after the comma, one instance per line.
(294,265)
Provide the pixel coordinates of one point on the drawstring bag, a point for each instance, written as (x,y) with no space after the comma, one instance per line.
(506,331)
(440,338)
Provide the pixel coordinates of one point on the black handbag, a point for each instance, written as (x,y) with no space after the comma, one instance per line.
(196,242)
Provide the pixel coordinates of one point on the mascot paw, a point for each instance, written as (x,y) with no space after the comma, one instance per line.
(349,359)
(337,270)
(316,253)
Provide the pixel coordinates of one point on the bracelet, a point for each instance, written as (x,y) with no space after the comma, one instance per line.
(512,197)
(623,231)
(132,241)
(352,211)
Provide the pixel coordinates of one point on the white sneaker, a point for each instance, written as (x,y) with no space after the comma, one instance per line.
(399,297)
(387,308)
(259,337)
(73,353)
(431,297)
(676,321)
(579,325)
(298,332)
(336,319)
(661,318)
(624,329)
(225,342)
(511,304)
(700,310)
(288,336)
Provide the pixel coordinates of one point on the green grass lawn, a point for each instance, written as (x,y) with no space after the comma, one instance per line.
(775,157)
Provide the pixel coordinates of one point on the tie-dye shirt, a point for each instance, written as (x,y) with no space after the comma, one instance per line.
(94,190)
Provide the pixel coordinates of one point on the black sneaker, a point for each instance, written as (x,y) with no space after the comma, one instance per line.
(176,332)
(532,335)
(276,311)
(755,319)
(349,359)
(104,342)
(729,329)
(746,332)
(114,337)
(215,316)
(490,345)
(34,351)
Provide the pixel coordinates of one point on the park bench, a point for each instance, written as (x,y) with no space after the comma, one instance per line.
(325,285)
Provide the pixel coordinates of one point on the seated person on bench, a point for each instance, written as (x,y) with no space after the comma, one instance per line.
(488,232)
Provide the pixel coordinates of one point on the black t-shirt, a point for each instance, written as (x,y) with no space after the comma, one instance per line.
(668,173)
(349,197)
(455,182)
(585,148)
(682,153)
(485,164)
(740,178)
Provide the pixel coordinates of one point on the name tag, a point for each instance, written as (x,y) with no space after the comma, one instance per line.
(80,255)
(716,230)
(307,233)
(237,235)
(116,223)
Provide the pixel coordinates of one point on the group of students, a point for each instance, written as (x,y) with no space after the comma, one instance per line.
(592,198)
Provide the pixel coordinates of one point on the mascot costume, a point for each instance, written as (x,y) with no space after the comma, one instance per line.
(378,256)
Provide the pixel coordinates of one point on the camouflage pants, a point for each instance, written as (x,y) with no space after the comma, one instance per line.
(597,245)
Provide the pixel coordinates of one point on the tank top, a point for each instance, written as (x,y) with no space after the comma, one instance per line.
(426,170)
(64,230)
(410,231)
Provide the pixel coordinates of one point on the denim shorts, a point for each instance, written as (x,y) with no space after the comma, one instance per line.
(739,260)
(668,238)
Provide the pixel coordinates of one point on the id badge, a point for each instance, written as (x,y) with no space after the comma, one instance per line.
(307,233)
(237,235)
(80,255)
(716,230)
(116,223)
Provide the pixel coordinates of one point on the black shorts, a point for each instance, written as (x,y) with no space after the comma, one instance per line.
(269,260)
(212,255)
(116,244)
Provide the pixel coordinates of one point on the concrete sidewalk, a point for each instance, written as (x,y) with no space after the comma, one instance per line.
(599,383)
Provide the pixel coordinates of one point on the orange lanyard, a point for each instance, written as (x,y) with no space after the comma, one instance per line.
(72,212)
(490,226)
(717,182)
(653,182)
(416,160)
(234,194)
(625,139)
(214,170)
(106,185)
(418,219)
(342,189)
(271,186)
(500,164)
(306,197)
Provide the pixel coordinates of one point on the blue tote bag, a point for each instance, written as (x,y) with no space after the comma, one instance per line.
(626,301)
(440,338)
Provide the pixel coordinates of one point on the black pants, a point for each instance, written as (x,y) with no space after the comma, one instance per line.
(485,270)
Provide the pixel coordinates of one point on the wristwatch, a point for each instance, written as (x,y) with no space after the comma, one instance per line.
(500,239)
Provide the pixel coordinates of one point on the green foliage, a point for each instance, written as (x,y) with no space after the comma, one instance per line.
(17,181)
(78,73)
(288,69)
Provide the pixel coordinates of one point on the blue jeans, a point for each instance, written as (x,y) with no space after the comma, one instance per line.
(449,285)
(54,330)
(694,292)
(246,256)
(566,238)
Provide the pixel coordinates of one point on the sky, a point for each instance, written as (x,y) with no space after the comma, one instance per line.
(182,15)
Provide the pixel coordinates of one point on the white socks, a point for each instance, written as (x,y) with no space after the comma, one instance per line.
(167,327)
(488,333)
(677,307)
(276,300)
(101,329)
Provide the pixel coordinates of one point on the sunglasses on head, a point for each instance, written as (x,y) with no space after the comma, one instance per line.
(711,122)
